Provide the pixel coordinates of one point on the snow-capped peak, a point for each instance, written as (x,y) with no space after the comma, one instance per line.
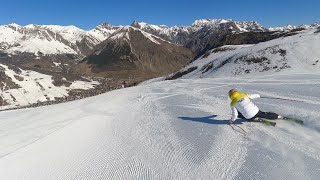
(139,24)
(102,31)
(32,26)
(316,24)
(70,33)
(247,26)
(283,28)
(210,22)
(243,26)
(121,33)
(104,26)
(144,25)
(124,33)
(51,39)
(14,25)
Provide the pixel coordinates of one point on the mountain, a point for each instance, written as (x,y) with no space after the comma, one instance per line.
(297,52)
(49,49)
(173,33)
(206,34)
(131,52)
(202,33)
(51,39)
(54,39)
(41,40)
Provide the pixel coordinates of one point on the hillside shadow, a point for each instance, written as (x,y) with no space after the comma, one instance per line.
(210,120)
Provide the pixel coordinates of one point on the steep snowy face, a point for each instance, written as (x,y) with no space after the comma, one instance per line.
(9,36)
(143,25)
(298,53)
(32,39)
(69,33)
(250,26)
(316,24)
(103,31)
(51,39)
(162,31)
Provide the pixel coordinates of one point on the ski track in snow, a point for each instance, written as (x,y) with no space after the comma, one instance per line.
(166,130)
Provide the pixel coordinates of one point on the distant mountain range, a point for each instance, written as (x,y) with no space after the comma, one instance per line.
(55,39)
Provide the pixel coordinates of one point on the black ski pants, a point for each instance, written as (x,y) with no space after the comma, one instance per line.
(261,114)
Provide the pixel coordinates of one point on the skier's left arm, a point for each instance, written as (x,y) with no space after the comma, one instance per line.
(234,114)
(254,96)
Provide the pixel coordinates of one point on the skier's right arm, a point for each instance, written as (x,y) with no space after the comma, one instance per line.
(254,96)
(234,114)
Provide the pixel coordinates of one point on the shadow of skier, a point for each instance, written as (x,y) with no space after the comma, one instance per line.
(210,120)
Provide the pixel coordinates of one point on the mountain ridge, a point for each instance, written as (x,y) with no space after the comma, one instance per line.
(73,40)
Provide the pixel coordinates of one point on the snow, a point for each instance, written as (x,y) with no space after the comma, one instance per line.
(150,37)
(43,46)
(123,33)
(70,33)
(47,38)
(299,52)
(249,26)
(120,35)
(31,39)
(36,87)
(56,64)
(9,35)
(210,22)
(101,34)
(144,25)
(167,130)
(284,28)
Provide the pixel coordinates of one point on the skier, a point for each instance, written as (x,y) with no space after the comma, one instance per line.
(243,107)
(123,84)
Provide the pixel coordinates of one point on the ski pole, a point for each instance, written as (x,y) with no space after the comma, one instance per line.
(282,99)
(240,128)
(242,132)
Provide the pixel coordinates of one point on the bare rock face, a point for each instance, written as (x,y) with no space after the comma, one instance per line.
(135,53)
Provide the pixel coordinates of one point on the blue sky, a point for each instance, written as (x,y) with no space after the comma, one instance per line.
(88,14)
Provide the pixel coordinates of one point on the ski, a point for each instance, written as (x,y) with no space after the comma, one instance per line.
(295,120)
(264,121)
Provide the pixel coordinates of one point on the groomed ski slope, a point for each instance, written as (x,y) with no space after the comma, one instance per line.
(167,130)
